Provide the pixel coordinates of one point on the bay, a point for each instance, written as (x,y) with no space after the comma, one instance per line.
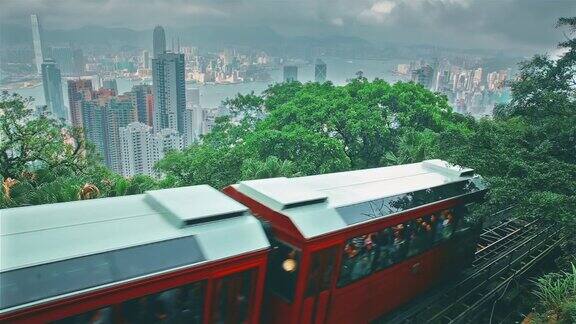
(211,95)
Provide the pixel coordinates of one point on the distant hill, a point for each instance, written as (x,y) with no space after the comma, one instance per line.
(204,36)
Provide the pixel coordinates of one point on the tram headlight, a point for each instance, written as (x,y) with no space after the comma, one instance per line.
(289,265)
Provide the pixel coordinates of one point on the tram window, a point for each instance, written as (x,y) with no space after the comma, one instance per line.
(179,305)
(283,271)
(359,254)
(419,234)
(232,299)
(400,244)
(443,225)
(385,248)
(100,316)
(320,271)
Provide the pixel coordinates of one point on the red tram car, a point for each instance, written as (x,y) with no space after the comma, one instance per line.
(189,255)
(335,248)
(352,246)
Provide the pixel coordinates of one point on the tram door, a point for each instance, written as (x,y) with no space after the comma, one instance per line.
(317,294)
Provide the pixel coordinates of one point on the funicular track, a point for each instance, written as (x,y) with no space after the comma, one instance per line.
(506,250)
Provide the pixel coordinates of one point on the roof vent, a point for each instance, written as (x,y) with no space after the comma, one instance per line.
(188,206)
(447,168)
(281,193)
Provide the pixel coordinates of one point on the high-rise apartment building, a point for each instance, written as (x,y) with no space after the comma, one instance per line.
(290,73)
(141,148)
(52,83)
(320,71)
(37,42)
(78,91)
(94,118)
(159,41)
(168,79)
(136,141)
(120,112)
(142,100)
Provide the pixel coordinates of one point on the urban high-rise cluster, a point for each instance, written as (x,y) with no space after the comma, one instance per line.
(469,90)
(133,130)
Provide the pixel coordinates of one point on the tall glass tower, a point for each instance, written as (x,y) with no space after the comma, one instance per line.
(52,82)
(37,42)
(159,41)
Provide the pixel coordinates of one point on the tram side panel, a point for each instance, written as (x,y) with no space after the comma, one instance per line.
(360,297)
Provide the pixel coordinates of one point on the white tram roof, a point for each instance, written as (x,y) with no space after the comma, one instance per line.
(326,203)
(91,243)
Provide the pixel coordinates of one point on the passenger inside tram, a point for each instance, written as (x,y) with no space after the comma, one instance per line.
(374,251)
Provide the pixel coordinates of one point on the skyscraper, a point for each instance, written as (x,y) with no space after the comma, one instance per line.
(37,42)
(52,82)
(159,41)
(64,57)
(320,71)
(290,73)
(168,72)
(78,91)
(145,59)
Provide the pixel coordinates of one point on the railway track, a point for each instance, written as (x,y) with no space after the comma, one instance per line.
(506,251)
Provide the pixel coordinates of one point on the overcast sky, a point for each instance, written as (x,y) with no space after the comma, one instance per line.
(515,25)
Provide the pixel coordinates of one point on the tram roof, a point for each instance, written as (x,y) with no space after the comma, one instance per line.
(103,241)
(326,203)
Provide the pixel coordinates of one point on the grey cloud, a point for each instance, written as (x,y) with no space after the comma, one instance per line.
(523,25)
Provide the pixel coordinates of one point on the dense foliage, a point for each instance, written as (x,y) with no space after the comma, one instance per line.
(317,128)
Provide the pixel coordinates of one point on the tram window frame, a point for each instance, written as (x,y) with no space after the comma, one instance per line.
(280,282)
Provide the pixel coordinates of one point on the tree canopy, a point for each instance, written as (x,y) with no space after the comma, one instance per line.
(317,128)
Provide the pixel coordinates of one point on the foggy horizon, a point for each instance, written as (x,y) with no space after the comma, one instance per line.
(515,26)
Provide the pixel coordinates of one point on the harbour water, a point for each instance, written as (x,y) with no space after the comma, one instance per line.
(211,95)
